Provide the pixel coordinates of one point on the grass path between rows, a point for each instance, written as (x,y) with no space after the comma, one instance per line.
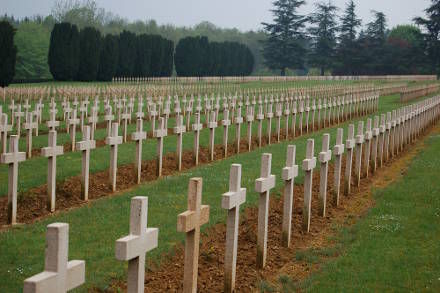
(95,227)
(394,248)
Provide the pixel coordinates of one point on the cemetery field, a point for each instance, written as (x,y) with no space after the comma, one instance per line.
(395,247)
(96,225)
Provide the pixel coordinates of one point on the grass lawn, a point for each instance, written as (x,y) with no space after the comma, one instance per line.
(95,227)
(396,247)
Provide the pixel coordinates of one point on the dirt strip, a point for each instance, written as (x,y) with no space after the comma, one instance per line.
(31,205)
(168,277)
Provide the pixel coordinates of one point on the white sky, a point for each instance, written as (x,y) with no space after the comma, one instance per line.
(242,14)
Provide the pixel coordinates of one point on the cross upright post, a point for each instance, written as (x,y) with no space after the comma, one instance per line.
(138,136)
(263,185)
(113,141)
(60,275)
(338,150)
(289,173)
(324,157)
(309,163)
(85,146)
(231,201)
(349,144)
(51,152)
(12,159)
(189,222)
(132,248)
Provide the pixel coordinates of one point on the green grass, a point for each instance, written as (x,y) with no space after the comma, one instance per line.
(396,247)
(95,227)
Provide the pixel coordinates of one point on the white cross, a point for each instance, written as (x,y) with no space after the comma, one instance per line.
(225,122)
(4,128)
(113,141)
(85,146)
(138,137)
(197,127)
(12,159)
(51,152)
(338,150)
(231,201)
(308,164)
(60,275)
(160,133)
(263,185)
(289,173)
(132,248)
(324,157)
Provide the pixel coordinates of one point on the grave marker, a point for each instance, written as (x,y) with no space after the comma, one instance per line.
(349,144)
(359,144)
(138,137)
(179,130)
(60,275)
(85,146)
(197,127)
(289,173)
(338,150)
(51,152)
(309,163)
(159,134)
(132,248)
(113,141)
(225,122)
(231,201)
(189,222)
(263,185)
(324,157)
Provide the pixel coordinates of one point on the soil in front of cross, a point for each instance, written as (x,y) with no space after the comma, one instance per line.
(168,276)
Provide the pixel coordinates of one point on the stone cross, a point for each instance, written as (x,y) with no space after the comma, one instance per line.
(324,157)
(12,159)
(269,116)
(225,122)
(60,275)
(260,118)
(73,122)
(12,107)
(132,248)
(349,144)
(309,163)
(338,150)
(375,135)
(125,117)
(4,128)
(52,123)
(278,114)
(82,112)
(138,137)
(196,128)
(387,136)
(382,130)
(113,141)
(212,125)
(301,116)
(85,146)
(51,152)
(319,113)
(288,175)
(263,185)
(179,129)
(160,133)
(360,138)
(294,119)
(367,150)
(286,115)
(231,201)
(307,109)
(238,121)
(189,222)
(93,119)
(18,114)
(249,120)
(108,117)
(29,125)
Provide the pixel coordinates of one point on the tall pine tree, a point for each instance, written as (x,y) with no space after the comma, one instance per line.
(285,45)
(8,53)
(109,58)
(347,51)
(432,35)
(90,51)
(323,34)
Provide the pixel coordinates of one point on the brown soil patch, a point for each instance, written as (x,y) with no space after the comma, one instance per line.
(281,261)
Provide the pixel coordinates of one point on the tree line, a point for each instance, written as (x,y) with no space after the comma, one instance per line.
(85,55)
(196,56)
(341,46)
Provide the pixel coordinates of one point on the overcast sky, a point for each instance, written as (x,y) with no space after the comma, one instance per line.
(242,14)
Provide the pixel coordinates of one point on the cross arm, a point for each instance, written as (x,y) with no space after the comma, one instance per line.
(9,158)
(75,274)
(264,184)
(132,246)
(52,151)
(113,140)
(289,173)
(86,145)
(138,135)
(186,221)
(233,199)
(324,157)
(309,164)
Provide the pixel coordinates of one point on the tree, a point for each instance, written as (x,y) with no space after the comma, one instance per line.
(285,45)
(144,51)
(64,51)
(323,35)
(108,62)
(347,50)
(127,54)
(8,53)
(405,43)
(432,34)
(90,51)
